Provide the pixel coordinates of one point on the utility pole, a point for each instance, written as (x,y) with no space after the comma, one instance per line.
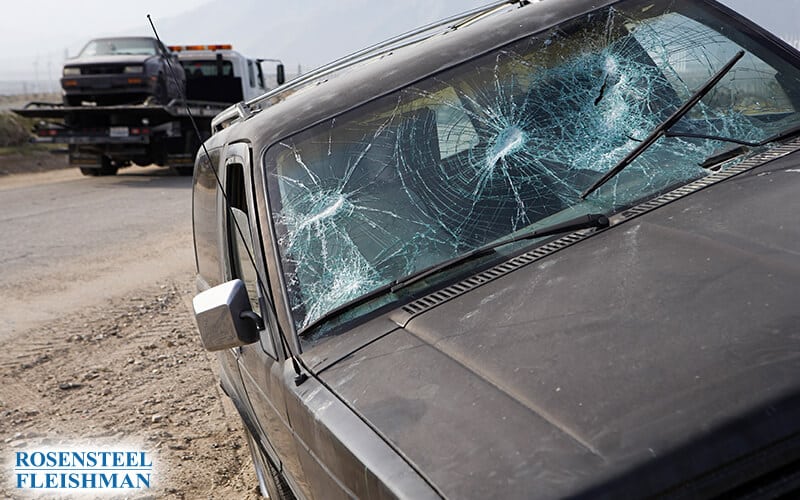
(36,74)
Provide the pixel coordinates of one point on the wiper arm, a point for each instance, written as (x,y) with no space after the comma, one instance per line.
(781,135)
(691,135)
(723,157)
(578,223)
(582,222)
(741,149)
(662,128)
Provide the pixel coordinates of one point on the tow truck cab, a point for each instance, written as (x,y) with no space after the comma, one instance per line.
(218,73)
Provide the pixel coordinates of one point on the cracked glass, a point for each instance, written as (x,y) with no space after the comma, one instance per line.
(507,142)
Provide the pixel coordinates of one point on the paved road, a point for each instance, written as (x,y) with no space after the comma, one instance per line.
(68,241)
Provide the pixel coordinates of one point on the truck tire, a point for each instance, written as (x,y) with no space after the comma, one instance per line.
(91,172)
(99,172)
(106,167)
(270,481)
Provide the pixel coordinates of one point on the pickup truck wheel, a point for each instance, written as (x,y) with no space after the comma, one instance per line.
(270,481)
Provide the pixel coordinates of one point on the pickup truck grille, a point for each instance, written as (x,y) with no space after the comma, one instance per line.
(102,69)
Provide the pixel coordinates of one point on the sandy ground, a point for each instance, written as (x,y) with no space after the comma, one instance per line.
(131,371)
(123,368)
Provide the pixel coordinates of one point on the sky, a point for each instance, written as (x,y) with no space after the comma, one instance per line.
(37,34)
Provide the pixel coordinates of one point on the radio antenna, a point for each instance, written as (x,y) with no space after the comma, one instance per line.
(300,377)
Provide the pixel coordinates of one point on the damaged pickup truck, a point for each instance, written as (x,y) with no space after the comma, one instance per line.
(540,250)
(125,70)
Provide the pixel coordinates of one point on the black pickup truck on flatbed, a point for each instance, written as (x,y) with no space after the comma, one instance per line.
(103,138)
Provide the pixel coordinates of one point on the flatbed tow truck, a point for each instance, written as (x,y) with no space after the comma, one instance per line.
(102,139)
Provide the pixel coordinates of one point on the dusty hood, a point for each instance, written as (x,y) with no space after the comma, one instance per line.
(675,335)
(116,59)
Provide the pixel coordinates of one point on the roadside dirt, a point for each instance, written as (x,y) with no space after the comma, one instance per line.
(102,350)
(128,371)
(32,162)
(29,159)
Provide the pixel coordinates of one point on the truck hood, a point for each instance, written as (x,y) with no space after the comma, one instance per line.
(659,349)
(115,59)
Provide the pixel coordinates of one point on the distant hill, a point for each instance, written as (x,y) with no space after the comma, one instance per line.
(314,32)
(309,33)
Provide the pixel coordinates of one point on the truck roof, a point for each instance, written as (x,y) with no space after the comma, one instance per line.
(350,84)
(190,51)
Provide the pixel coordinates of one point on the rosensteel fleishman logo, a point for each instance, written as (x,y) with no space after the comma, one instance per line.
(91,470)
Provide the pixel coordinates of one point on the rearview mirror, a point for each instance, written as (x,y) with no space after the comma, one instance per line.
(281,74)
(224,316)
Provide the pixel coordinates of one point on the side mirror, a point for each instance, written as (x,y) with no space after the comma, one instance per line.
(281,74)
(224,316)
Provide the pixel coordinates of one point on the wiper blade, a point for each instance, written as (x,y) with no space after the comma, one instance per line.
(664,127)
(739,150)
(781,135)
(712,137)
(724,156)
(576,224)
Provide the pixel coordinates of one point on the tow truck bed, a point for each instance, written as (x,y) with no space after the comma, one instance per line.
(155,113)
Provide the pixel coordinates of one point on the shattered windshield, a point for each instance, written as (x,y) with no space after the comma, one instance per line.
(508,141)
(120,46)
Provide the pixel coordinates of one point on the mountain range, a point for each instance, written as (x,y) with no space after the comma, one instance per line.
(305,33)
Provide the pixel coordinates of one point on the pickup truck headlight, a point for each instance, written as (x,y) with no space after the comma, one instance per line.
(72,71)
(133,69)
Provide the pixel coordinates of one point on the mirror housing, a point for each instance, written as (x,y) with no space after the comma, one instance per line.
(281,74)
(224,316)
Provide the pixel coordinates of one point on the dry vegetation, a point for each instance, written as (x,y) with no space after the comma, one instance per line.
(17,153)
(14,131)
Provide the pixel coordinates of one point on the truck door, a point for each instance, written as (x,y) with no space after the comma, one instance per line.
(261,363)
(252,80)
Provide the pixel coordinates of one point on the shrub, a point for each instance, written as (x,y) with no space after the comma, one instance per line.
(13,130)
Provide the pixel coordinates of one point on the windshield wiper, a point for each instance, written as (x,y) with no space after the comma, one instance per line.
(739,150)
(664,127)
(692,135)
(785,134)
(728,154)
(582,222)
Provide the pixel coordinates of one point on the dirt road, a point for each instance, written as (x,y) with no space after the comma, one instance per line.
(99,346)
